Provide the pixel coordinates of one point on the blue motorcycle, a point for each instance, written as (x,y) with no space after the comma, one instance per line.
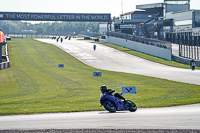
(112,103)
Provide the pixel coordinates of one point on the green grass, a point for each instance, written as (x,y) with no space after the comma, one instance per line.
(35,84)
(148,57)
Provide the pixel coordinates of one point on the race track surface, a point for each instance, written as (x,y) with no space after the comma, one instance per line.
(107,58)
(180,117)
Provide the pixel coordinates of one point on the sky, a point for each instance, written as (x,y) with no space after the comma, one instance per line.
(79,6)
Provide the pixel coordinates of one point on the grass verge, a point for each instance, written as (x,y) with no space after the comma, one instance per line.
(35,84)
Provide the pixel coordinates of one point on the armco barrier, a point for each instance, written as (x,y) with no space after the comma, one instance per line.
(5,64)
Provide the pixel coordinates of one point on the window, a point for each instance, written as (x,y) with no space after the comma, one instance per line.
(168,22)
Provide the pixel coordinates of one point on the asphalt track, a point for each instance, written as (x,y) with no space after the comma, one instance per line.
(180,117)
(107,58)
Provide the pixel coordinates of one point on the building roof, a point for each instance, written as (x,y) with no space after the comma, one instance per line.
(128,13)
(131,21)
(191,10)
(147,6)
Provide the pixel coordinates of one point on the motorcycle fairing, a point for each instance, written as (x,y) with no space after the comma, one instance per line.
(118,103)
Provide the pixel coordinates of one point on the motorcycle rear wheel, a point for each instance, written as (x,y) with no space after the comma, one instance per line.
(132,106)
(193,67)
(110,106)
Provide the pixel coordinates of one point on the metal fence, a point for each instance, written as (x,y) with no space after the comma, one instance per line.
(148,41)
(191,52)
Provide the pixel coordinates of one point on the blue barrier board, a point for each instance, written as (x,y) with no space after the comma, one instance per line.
(97,74)
(129,89)
(60,65)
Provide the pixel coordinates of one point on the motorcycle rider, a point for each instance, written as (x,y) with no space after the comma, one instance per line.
(94,47)
(192,64)
(104,90)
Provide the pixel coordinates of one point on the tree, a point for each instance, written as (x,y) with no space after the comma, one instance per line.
(40,30)
(47,28)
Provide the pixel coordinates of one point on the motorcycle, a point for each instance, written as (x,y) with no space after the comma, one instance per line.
(192,64)
(193,67)
(113,104)
(94,47)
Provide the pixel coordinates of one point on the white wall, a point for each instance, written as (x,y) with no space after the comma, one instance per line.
(103,28)
(144,48)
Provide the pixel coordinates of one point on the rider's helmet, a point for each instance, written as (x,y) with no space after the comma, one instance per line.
(103,88)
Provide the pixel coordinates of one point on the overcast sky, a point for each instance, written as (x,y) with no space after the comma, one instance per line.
(78,6)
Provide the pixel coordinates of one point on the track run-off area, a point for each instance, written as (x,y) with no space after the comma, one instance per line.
(106,58)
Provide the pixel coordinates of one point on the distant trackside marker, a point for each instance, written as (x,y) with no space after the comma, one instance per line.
(97,74)
(129,89)
(61,65)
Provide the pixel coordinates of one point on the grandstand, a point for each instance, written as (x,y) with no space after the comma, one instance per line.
(171,21)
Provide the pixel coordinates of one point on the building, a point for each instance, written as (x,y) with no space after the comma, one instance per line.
(104,27)
(171,21)
(141,19)
(182,27)
(148,20)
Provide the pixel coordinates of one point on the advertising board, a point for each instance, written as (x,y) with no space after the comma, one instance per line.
(28,16)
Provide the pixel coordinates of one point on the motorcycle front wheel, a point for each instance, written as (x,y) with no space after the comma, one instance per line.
(110,106)
(132,106)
